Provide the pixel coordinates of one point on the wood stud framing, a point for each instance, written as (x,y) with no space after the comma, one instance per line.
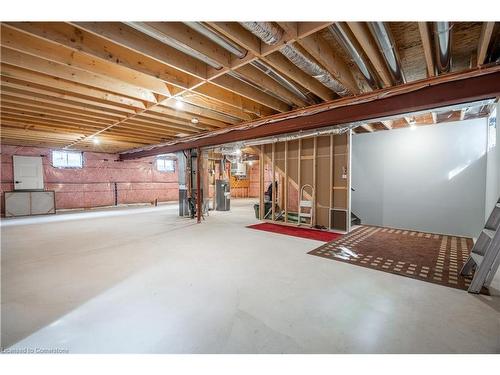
(306,160)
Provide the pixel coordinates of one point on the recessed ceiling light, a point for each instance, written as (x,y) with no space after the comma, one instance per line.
(95,140)
(180,135)
(194,120)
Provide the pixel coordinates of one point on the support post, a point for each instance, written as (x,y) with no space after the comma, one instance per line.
(299,180)
(314,208)
(285,200)
(331,191)
(261,183)
(198,183)
(273,182)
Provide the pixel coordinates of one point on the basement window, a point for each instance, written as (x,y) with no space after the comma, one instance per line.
(165,165)
(67,159)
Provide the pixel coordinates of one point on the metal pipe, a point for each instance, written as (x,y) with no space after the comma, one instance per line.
(387,47)
(442,44)
(282,81)
(218,38)
(239,77)
(168,40)
(341,34)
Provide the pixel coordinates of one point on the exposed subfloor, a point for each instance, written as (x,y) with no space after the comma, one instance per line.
(142,280)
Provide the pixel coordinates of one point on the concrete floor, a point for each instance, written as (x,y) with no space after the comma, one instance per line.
(142,280)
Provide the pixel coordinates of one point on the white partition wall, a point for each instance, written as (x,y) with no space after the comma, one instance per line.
(492,162)
(432,178)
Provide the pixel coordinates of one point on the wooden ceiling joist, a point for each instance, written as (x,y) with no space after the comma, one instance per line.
(369,46)
(230,98)
(387,124)
(36,103)
(262,79)
(20,88)
(134,40)
(237,86)
(22,42)
(171,113)
(82,77)
(206,101)
(113,78)
(423,28)
(484,41)
(73,88)
(7,105)
(94,46)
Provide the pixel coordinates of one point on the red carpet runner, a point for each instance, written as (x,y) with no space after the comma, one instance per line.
(310,234)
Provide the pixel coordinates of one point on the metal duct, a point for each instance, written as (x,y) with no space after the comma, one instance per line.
(271,34)
(158,35)
(442,44)
(387,47)
(313,69)
(218,38)
(268,32)
(342,36)
(282,81)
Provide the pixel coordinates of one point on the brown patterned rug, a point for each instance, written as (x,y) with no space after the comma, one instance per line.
(429,257)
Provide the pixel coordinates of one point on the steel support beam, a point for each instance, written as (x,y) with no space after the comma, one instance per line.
(450,89)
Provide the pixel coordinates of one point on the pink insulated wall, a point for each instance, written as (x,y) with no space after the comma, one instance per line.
(137,181)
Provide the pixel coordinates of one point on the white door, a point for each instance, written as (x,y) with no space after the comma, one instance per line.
(28,173)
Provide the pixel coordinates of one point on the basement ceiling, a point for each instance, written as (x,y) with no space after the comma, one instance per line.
(113,87)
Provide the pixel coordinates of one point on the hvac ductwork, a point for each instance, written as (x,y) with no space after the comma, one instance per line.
(442,45)
(217,38)
(272,34)
(341,34)
(166,39)
(266,31)
(386,45)
(313,69)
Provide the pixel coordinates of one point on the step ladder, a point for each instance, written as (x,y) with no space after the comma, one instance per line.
(484,256)
(307,204)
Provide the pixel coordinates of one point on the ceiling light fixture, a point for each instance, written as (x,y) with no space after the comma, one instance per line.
(179,104)
(194,120)
(95,140)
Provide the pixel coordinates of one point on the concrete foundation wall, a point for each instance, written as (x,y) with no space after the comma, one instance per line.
(137,181)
